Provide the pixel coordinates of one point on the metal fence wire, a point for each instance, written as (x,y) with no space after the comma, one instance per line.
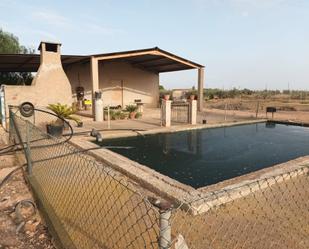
(268,213)
(180,112)
(89,205)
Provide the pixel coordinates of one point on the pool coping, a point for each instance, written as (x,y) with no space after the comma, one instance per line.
(178,128)
(194,200)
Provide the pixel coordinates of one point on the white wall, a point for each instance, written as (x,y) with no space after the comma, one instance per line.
(120,82)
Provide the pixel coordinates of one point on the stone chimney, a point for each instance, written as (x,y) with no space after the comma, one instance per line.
(51,81)
(49,86)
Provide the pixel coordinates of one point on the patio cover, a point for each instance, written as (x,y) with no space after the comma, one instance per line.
(152,59)
(31,62)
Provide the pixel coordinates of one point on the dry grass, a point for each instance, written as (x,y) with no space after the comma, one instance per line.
(276,217)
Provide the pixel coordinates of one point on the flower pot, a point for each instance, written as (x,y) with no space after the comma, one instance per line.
(166,97)
(66,125)
(132,115)
(192,97)
(54,130)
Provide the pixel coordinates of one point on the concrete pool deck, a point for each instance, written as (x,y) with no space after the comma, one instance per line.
(197,200)
(145,126)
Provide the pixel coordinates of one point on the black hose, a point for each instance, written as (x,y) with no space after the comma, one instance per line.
(10,174)
(7,147)
(119,129)
(10,149)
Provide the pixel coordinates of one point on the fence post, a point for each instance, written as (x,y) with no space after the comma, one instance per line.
(108,117)
(165,228)
(192,112)
(166,112)
(257,109)
(11,123)
(225,108)
(28,149)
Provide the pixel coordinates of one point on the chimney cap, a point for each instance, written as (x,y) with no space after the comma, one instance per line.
(47,42)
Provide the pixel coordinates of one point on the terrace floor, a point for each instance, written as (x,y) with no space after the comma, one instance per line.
(151,121)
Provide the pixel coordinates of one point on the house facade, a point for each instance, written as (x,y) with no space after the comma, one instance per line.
(122,77)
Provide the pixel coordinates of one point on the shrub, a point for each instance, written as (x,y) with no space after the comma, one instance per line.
(131,108)
(138,115)
(64,112)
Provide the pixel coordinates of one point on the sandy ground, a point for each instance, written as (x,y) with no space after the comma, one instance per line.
(297,116)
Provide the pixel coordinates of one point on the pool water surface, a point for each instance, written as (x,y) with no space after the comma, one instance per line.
(207,156)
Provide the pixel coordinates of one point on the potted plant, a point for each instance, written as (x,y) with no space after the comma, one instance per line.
(166,96)
(192,97)
(138,115)
(131,109)
(192,94)
(64,112)
(55,128)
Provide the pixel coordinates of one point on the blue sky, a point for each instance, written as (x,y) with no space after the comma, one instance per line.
(243,43)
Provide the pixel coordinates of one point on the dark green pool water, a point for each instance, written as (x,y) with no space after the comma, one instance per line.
(203,157)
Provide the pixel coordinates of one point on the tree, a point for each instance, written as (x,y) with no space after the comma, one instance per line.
(9,44)
(161,88)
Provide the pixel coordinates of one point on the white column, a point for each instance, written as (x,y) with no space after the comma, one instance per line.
(193,112)
(94,70)
(200,97)
(166,112)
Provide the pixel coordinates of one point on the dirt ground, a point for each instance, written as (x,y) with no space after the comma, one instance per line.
(292,110)
(20,228)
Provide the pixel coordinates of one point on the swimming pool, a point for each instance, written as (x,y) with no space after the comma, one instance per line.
(207,156)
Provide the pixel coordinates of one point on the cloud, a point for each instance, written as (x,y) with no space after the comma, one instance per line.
(245,13)
(264,3)
(254,4)
(103,30)
(62,22)
(51,18)
(44,35)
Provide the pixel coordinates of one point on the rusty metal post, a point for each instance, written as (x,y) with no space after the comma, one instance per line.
(11,123)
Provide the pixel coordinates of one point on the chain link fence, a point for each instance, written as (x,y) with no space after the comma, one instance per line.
(268,213)
(89,205)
